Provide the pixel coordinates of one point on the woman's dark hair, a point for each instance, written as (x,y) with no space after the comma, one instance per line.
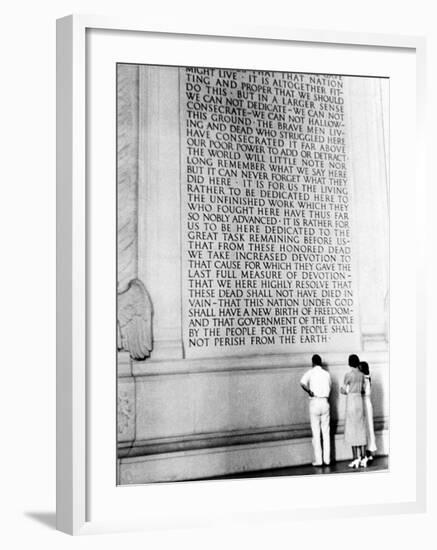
(317,360)
(364,368)
(354,361)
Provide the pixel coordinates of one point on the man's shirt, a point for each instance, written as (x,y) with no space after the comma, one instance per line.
(318,381)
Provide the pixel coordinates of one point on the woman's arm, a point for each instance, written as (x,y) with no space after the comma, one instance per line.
(344,389)
(367,385)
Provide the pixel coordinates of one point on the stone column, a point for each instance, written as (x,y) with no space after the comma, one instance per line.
(159,241)
(367,127)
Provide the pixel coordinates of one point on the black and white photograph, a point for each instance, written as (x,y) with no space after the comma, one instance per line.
(219,252)
(252,273)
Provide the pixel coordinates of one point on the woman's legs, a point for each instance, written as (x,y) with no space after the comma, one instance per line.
(358,451)
(356,459)
(364,459)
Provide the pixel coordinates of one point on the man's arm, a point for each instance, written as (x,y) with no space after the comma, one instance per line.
(306,388)
(305,383)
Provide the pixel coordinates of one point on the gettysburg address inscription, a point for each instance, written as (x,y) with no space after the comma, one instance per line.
(267,255)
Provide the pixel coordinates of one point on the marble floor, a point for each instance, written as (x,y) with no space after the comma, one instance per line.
(378,463)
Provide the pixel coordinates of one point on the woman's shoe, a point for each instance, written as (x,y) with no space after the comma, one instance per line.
(355,463)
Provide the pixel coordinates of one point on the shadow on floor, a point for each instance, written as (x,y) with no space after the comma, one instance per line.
(45,518)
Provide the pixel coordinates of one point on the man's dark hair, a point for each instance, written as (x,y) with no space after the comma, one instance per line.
(317,360)
(354,361)
(364,368)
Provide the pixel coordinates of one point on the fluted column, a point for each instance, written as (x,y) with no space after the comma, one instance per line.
(367,126)
(159,240)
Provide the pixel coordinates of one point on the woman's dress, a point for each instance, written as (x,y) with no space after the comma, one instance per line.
(355,429)
(368,412)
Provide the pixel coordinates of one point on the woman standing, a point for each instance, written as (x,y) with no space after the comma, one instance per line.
(368,412)
(355,422)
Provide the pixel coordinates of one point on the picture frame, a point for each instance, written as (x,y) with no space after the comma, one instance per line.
(76,203)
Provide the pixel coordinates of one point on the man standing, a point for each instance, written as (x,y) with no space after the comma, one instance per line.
(317,383)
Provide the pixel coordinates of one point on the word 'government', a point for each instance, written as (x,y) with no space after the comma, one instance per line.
(267,257)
